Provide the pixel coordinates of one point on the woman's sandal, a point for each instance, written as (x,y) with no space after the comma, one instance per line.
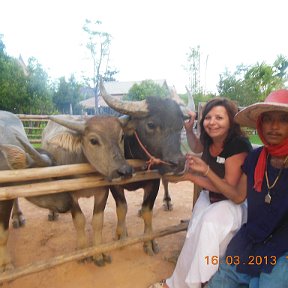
(160,284)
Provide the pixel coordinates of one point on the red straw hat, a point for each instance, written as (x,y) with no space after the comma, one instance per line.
(275,101)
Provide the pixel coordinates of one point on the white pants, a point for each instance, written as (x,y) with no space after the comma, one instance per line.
(210,229)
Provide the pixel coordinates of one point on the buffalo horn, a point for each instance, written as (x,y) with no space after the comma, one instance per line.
(72,124)
(124,119)
(185,111)
(41,160)
(132,108)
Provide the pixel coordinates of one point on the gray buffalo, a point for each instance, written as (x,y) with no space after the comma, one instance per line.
(153,125)
(17,153)
(99,141)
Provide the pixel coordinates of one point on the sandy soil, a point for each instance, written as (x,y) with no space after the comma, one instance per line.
(130,267)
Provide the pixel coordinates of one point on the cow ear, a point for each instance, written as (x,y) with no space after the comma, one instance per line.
(15,156)
(127,124)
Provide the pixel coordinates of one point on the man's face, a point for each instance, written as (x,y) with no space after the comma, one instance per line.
(275,127)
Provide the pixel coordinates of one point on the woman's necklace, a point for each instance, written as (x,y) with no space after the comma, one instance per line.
(268,197)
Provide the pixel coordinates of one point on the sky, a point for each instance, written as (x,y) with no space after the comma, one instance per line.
(151,38)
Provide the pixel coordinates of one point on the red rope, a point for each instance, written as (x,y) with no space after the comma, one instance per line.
(152,160)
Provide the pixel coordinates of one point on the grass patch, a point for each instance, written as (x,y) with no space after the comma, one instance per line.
(37,145)
(254,139)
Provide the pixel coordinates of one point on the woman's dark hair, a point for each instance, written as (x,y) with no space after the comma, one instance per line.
(231,109)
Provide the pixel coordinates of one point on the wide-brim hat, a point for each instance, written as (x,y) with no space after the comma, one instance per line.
(275,101)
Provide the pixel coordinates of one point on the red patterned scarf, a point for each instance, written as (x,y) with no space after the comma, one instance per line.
(274,150)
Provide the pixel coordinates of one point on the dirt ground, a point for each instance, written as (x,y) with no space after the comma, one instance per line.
(130,267)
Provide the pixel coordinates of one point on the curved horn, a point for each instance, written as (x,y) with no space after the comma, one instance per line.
(124,119)
(185,111)
(132,108)
(41,160)
(75,125)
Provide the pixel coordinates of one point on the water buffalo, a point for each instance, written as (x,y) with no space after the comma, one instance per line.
(17,153)
(157,123)
(99,141)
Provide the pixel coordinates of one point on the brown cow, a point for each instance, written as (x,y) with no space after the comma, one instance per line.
(99,141)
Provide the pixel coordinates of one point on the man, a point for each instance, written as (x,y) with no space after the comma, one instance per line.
(257,256)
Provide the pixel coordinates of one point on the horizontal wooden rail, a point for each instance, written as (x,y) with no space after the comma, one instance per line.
(20,175)
(69,185)
(27,117)
(35,141)
(33,128)
(55,186)
(80,254)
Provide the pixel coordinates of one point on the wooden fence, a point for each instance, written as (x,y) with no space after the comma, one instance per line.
(34,125)
(18,185)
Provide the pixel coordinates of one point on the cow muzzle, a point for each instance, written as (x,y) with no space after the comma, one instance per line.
(125,171)
(174,167)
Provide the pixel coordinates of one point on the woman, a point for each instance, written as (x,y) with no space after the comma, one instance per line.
(216,216)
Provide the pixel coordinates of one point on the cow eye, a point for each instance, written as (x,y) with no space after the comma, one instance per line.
(94,141)
(151,125)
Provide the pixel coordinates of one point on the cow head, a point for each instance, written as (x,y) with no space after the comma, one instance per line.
(100,139)
(158,123)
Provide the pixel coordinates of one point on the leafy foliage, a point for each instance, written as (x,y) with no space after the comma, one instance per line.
(67,96)
(144,89)
(39,89)
(98,44)
(13,86)
(250,84)
(20,92)
(193,69)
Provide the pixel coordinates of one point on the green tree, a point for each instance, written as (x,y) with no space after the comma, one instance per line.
(13,84)
(2,45)
(231,84)
(202,98)
(67,96)
(248,85)
(144,89)
(193,69)
(98,45)
(23,89)
(281,64)
(39,89)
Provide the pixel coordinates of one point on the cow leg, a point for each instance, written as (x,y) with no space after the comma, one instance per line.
(18,219)
(167,204)
(100,200)
(53,215)
(79,222)
(150,193)
(121,211)
(5,259)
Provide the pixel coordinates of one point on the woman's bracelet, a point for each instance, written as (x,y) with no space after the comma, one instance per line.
(207,171)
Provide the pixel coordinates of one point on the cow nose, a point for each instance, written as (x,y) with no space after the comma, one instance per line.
(125,170)
(177,162)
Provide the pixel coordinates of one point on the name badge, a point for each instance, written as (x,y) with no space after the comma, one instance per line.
(220,160)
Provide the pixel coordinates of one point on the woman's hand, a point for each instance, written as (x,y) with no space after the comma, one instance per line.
(196,164)
(189,124)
